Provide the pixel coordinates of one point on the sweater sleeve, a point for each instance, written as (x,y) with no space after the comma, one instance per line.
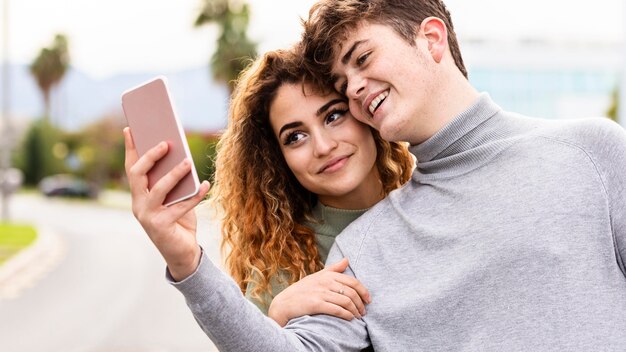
(235,324)
(616,184)
(609,155)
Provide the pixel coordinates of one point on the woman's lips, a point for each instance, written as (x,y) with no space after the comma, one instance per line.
(334,165)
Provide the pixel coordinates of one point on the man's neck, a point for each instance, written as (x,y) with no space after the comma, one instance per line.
(455,96)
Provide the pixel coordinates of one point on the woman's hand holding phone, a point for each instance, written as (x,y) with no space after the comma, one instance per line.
(172,228)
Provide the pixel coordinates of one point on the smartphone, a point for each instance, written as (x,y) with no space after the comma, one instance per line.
(150,114)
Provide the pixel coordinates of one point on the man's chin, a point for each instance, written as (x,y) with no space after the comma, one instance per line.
(391,136)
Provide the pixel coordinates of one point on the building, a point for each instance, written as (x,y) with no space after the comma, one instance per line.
(546,78)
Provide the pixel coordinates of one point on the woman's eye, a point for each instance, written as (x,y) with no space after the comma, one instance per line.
(335,115)
(293,138)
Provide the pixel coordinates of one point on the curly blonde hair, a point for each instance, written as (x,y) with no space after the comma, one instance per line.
(264,207)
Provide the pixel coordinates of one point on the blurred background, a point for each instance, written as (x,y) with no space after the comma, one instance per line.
(76,271)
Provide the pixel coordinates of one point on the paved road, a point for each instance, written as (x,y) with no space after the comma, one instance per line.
(101,288)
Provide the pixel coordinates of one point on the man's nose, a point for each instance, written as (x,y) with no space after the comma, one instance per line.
(356,86)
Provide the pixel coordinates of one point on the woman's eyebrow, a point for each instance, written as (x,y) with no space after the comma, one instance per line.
(328,105)
(288,126)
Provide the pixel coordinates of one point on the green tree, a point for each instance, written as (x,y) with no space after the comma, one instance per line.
(202,148)
(100,150)
(49,68)
(614,108)
(35,157)
(234,49)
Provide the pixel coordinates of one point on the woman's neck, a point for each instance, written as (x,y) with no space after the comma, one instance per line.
(364,196)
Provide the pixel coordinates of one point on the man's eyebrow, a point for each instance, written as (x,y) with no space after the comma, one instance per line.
(328,105)
(288,126)
(346,58)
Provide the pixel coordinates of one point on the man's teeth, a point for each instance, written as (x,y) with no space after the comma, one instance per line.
(379,99)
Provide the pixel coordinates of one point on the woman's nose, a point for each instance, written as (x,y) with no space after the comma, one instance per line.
(324,143)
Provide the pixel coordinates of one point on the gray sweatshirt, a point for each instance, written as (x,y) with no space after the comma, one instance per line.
(510,237)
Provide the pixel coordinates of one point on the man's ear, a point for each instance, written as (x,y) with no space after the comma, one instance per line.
(436,34)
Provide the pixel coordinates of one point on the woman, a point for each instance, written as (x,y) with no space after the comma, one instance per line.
(293,169)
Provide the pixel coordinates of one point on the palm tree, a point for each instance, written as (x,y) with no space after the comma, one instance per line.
(234,48)
(49,68)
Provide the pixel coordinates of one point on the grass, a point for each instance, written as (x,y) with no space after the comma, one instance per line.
(14,238)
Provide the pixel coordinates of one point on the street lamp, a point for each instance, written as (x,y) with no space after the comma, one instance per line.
(6,140)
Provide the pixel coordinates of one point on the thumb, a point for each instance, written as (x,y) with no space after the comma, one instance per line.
(338,267)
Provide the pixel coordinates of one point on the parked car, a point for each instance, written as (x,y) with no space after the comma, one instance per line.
(65,185)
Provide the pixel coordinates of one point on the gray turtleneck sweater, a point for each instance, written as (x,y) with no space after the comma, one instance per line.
(510,237)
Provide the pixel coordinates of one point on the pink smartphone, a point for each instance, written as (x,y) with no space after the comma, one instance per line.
(151,117)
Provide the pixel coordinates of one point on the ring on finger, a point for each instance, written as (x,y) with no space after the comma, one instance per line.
(341,290)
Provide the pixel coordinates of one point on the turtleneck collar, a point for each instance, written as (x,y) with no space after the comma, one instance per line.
(470,139)
(331,221)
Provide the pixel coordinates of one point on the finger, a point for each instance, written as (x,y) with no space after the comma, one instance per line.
(130,151)
(147,161)
(166,183)
(137,183)
(138,173)
(178,210)
(336,310)
(344,302)
(338,267)
(356,285)
(354,297)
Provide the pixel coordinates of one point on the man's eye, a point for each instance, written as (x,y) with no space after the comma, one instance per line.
(343,88)
(361,59)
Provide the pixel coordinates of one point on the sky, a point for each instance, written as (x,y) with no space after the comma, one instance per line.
(122,36)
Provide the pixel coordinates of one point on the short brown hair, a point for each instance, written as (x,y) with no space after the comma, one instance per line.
(330,20)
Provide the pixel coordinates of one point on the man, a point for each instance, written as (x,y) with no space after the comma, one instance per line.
(511,235)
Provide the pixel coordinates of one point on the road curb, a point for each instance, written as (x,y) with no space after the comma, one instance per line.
(27,266)
(115,199)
